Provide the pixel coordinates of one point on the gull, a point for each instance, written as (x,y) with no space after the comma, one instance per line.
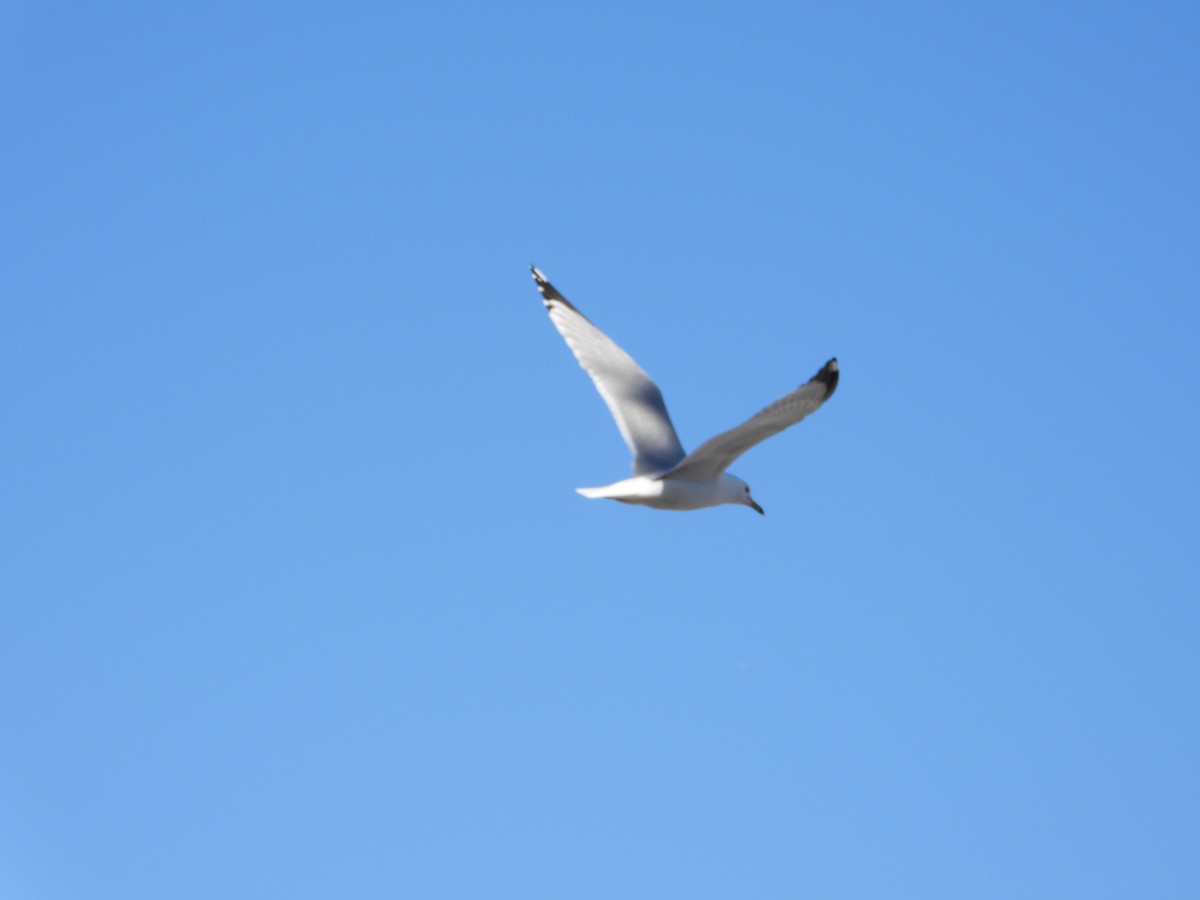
(664,476)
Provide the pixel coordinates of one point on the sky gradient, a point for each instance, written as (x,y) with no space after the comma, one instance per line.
(300,601)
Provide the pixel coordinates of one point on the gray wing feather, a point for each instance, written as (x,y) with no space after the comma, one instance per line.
(715,455)
(634,400)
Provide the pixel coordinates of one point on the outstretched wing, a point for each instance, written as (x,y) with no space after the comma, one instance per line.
(714,456)
(634,400)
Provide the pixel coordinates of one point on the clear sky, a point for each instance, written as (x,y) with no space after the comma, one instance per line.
(298,598)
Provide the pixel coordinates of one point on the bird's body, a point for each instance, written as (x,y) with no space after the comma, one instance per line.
(664,476)
(672,493)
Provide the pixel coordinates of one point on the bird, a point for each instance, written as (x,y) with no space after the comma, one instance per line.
(664,476)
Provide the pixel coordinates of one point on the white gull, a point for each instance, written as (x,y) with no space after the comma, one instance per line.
(664,476)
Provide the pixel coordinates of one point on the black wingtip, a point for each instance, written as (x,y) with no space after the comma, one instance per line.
(828,376)
(549,293)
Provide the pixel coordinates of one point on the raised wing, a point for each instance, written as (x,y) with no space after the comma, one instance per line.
(634,400)
(714,456)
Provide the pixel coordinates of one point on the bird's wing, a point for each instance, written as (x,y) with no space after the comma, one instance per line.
(714,456)
(633,399)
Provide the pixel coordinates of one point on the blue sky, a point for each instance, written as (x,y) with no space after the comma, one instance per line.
(300,601)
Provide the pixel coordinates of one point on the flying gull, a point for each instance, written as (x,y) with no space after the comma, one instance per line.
(664,476)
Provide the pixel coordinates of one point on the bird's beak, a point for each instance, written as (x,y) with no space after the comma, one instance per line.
(758,509)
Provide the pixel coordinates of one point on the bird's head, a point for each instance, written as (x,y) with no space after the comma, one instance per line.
(739,492)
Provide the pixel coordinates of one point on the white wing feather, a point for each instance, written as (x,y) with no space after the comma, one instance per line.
(715,455)
(634,400)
